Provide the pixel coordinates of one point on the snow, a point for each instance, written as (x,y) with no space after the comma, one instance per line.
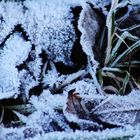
(52,101)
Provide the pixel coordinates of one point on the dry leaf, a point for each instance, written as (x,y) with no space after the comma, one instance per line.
(114,110)
(90,24)
(78,110)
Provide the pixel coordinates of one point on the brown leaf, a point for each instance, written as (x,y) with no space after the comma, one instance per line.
(78,110)
(74,105)
(115,110)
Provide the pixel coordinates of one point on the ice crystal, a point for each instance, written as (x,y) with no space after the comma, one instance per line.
(48,24)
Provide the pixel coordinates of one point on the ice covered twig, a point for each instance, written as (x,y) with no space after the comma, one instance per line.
(70,78)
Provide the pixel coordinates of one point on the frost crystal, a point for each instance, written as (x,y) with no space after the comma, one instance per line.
(83,87)
(48,25)
(34,37)
(14,52)
(38,26)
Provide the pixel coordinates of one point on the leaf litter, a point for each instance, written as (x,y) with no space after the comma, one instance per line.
(67,102)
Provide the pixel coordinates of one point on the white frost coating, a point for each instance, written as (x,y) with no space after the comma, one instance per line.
(100,3)
(100,135)
(38,18)
(27,82)
(8,11)
(51,77)
(37,119)
(48,24)
(73,77)
(83,87)
(120,110)
(6,95)
(135,2)
(9,81)
(133,133)
(15,51)
(89,27)
(46,115)
(46,99)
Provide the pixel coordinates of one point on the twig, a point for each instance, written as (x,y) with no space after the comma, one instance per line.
(68,80)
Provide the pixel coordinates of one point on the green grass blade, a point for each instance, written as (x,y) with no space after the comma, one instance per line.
(125,53)
(111,88)
(125,83)
(105,69)
(2,114)
(128,64)
(130,28)
(100,77)
(120,40)
(113,23)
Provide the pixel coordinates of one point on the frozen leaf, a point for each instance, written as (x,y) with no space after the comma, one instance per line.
(119,110)
(47,23)
(78,110)
(83,87)
(115,110)
(89,27)
(49,115)
(14,52)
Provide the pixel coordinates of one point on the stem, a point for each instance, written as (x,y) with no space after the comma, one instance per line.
(109,27)
(93,71)
(68,80)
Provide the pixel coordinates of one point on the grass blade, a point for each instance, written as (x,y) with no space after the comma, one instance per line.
(2,114)
(125,53)
(120,40)
(125,82)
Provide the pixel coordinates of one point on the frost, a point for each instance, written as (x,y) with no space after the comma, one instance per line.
(116,110)
(9,18)
(100,3)
(83,87)
(52,77)
(27,82)
(101,135)
(89,27)
(35,35)
(52,101)
(120,133)
(15,51)
(48,25)
(47,116)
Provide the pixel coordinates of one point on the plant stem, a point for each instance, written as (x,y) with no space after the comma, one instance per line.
(109,24)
